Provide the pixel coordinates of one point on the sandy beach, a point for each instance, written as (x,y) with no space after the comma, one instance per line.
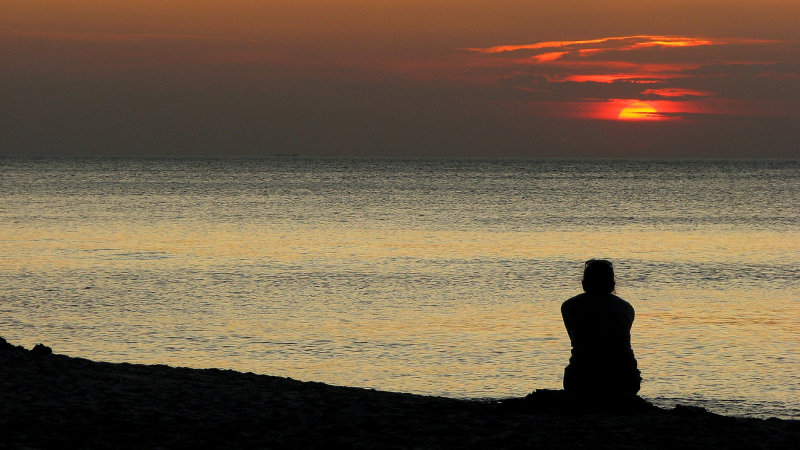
(54,401)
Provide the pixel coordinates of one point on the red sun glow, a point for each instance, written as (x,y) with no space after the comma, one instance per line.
(638,111)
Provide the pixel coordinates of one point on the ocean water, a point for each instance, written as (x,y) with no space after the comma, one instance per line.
(438,277)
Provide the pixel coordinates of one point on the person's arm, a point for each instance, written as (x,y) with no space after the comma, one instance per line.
(567,317)
(631,313)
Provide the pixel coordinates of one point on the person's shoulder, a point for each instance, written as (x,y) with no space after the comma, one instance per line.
(617,298)
(621,302)
(569,303)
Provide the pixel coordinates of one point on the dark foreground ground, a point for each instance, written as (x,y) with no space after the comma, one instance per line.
(54,401)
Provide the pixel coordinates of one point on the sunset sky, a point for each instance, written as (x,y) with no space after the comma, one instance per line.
(508,78)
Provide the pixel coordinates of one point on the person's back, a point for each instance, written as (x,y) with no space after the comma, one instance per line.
(599,324)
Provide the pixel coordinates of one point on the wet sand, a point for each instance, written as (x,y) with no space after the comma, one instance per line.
(54,401)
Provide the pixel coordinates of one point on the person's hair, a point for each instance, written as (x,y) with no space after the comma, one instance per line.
(598,277)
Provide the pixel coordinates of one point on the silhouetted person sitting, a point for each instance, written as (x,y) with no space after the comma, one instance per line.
(599,327)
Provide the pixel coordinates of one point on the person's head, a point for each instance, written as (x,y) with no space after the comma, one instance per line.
(598,277)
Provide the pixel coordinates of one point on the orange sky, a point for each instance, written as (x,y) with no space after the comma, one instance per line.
(400,78)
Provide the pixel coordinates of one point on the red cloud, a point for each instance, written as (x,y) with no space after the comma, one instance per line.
(639,40)
(672,72)
(678,92)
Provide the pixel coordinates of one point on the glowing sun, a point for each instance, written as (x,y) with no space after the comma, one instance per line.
(638,111)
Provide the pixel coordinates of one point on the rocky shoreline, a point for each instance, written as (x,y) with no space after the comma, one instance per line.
(54,401)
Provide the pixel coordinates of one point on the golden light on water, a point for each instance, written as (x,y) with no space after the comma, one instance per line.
(303,243)
(411,276)
(445,343)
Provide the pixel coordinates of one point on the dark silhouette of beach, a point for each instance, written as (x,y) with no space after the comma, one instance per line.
(54,401)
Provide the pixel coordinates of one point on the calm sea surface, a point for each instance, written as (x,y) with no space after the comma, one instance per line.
(440,277)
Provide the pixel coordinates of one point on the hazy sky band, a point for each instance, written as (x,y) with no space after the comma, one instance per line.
(408,78)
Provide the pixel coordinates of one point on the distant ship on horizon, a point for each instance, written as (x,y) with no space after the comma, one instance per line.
(286,154)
